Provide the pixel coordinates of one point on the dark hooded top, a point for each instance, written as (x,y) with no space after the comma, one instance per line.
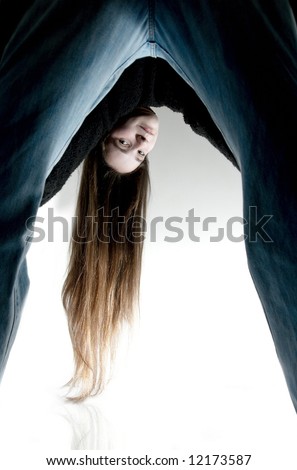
(147,82)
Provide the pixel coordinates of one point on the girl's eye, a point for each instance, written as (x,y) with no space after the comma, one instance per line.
(123,142)
(141,153)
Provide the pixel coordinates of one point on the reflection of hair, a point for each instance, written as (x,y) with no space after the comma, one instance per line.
(102,283)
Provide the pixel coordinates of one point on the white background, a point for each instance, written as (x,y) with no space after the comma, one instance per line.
(199,373)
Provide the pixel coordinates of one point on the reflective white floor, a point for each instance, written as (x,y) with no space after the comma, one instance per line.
(198,374)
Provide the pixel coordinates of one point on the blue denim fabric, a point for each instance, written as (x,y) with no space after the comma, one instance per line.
(61,61)
(240,58)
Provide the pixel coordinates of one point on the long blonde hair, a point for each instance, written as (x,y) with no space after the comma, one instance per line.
(102,284)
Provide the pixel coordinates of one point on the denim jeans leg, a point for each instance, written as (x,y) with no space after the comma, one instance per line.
(241,59)
(59,63)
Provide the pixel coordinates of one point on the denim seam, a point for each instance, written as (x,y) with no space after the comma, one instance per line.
(16,304)
(151,27)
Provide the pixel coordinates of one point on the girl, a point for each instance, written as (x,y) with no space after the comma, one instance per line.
(102,284)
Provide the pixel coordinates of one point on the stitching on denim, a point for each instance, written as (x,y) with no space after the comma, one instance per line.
(151,5)
(16,305)
(151,19)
